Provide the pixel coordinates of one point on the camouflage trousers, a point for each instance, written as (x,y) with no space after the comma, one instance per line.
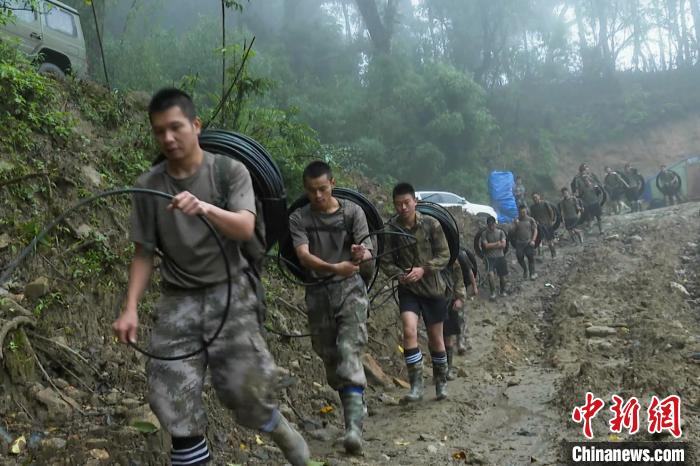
(338,324)
(243,372)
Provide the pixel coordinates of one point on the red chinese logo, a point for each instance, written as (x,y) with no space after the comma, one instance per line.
(587,412)
(665,415)
(625,415)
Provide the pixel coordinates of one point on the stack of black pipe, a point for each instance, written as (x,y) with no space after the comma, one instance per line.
(267,179)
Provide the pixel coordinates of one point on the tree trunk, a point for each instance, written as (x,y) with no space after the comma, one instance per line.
(346,17)
(379,31)
(636,32)
(582,41)
(695,11)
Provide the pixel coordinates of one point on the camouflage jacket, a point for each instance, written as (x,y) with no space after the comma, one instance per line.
(459,285)
(430,252)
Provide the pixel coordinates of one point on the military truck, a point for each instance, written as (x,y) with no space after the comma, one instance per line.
(48,31)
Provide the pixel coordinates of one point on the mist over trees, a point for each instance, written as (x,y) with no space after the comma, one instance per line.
(437,92)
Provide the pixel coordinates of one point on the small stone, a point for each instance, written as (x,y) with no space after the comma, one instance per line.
(684,259)
(373,371)
(84,231)
(4,240)
(386,457)
(614,237)
(57,408)
(99,454)
(37,288)
(636,238)
(600,331)
(92,175)
(600,345)
(400,383)
(295,365)
(112,398)
(432,449)
(388,399)
(461,372)
(96,443)
(575,309)
(131,403)
(512,382)
(75,393)
(679,287)
(60,383)
(53,443)
(427,438)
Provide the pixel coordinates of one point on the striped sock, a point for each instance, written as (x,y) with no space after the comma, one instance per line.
(412,356)
(189,451)
(439,358)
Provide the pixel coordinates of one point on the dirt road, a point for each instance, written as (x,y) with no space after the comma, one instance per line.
(532,362)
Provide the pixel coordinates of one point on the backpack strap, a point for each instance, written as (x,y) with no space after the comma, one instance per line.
(221,165)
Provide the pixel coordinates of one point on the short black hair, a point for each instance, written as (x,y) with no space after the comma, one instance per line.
(490,220)
(403,188)
(536,192)
(317,169)
(564,189)
(522,206)
(169,97)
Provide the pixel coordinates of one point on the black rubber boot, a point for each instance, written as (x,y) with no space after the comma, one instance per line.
(354,412)
(415,377)
(440,375)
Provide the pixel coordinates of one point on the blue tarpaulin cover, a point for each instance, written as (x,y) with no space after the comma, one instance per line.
(502,199)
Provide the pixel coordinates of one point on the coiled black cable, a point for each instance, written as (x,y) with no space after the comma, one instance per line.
(9,270)
(636,183)
(268,183)
(664,189)
(287,256)
(448,224)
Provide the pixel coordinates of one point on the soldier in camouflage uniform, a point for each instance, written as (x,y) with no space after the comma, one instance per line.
(545,215)
(194,292)
(670,184)
(452,328)
(330,237)
(418,268)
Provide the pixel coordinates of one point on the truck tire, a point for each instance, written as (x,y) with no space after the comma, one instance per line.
(52,70)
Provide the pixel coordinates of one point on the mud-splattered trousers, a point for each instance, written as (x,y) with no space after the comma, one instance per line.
(338,323)
(242,369)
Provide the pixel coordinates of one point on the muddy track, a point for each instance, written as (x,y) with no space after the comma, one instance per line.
(531,361)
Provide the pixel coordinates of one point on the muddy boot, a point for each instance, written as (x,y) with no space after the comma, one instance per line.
(451,369)
(354,412)
(415,377)
(291,443)
(552,251)
(440,375)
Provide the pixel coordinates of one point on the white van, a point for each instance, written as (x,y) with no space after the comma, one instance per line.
(50,33)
